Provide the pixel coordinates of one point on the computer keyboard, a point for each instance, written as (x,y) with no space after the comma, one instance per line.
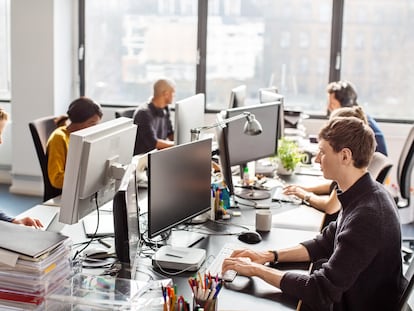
(279,196)
(215,267)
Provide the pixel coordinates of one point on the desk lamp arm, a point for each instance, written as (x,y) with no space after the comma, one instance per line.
(195,132)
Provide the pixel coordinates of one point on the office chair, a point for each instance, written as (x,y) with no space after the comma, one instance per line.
(404,170)
(41,129)
(408,291)
(125,112)
(404,173)
(379,167)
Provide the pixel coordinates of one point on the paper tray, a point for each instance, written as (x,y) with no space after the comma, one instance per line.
(91,292)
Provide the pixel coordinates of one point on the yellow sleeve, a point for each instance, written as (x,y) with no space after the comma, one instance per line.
(57,149)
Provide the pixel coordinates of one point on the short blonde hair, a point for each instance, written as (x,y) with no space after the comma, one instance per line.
(3,115)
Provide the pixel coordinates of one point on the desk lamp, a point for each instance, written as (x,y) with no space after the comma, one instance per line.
(251,127)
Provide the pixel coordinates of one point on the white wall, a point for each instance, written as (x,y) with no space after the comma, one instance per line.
(42,78)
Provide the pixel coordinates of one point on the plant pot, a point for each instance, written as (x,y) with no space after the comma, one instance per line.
(281,170)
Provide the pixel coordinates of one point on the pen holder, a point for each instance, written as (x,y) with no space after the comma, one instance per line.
(206,305)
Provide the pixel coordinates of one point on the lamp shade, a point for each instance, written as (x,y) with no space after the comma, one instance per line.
(252,126)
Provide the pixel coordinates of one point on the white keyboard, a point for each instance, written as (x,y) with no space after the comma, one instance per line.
(279,196)
(215,267)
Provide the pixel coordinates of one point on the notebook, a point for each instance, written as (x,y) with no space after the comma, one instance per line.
(106,225)
(302,217)
(27,240)
(46,214)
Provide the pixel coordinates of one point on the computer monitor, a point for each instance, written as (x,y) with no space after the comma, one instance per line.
(179,185)
(238,96)
(93,164)
(189,114)
(126,215)
(270,95)
(237,148)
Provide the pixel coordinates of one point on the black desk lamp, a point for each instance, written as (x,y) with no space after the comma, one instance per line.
(251,127)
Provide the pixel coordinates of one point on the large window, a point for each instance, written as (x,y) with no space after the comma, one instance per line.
(294,45)
(266,42)
(131,43)
(377,55)
(5,50)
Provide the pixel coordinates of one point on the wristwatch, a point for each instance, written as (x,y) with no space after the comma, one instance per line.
(276,257)
(306,198)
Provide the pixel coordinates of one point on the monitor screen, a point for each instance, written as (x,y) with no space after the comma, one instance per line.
(95,158)
(189,114)
(126,215)
(179,185)
(238,96)
(237,148)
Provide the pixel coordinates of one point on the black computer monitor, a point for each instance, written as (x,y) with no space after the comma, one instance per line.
(238,96)
(126,215)
(179,185)
(237,148)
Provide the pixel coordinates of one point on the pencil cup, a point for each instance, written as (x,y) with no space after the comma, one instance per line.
(206,305)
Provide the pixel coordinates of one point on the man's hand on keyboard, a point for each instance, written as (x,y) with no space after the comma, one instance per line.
(260,257)
(242,265)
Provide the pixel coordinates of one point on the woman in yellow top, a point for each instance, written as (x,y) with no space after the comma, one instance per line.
(82,113)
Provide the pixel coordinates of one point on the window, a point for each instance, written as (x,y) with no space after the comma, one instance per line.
(260,41)
(380,63)
(129,44)
(5,50)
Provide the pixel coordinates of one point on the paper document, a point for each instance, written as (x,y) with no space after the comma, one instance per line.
(301,217)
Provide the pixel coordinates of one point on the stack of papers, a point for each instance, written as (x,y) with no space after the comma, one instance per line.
(32,263)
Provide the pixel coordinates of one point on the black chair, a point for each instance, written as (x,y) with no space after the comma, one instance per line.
(404,170)
(404,173)
(41,129)
(380,167)
(125,112)
(408,291)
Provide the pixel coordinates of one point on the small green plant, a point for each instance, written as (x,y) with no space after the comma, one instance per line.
(289,154)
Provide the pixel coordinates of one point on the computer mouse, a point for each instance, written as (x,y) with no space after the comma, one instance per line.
(95,253)
(250,237)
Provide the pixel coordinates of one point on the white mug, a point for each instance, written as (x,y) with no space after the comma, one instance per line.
(263,220)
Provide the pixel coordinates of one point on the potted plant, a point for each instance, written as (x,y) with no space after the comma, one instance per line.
(289,156)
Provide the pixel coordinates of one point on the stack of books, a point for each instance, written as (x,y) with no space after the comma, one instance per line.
(32,264)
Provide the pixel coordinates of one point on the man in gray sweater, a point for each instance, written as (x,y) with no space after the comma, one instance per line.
(358,257)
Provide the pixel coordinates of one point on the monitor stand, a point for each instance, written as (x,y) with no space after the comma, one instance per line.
(200,219)
(252,194)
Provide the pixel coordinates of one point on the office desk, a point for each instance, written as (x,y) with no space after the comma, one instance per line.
(243,293)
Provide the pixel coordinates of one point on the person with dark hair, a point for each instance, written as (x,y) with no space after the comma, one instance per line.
(357,258)
(155,129)
(344,94)
(82,113)
(27,221)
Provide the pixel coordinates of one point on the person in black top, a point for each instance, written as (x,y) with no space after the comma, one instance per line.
(155,129)
(359,255)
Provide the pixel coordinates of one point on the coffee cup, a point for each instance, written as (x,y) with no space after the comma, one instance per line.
(263,220)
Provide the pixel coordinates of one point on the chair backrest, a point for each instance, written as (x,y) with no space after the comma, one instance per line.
(408,291)
(405,167)
(41,129)
(379,167)
(125,112)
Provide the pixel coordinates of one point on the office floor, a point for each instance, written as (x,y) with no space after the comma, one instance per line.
(13,204)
